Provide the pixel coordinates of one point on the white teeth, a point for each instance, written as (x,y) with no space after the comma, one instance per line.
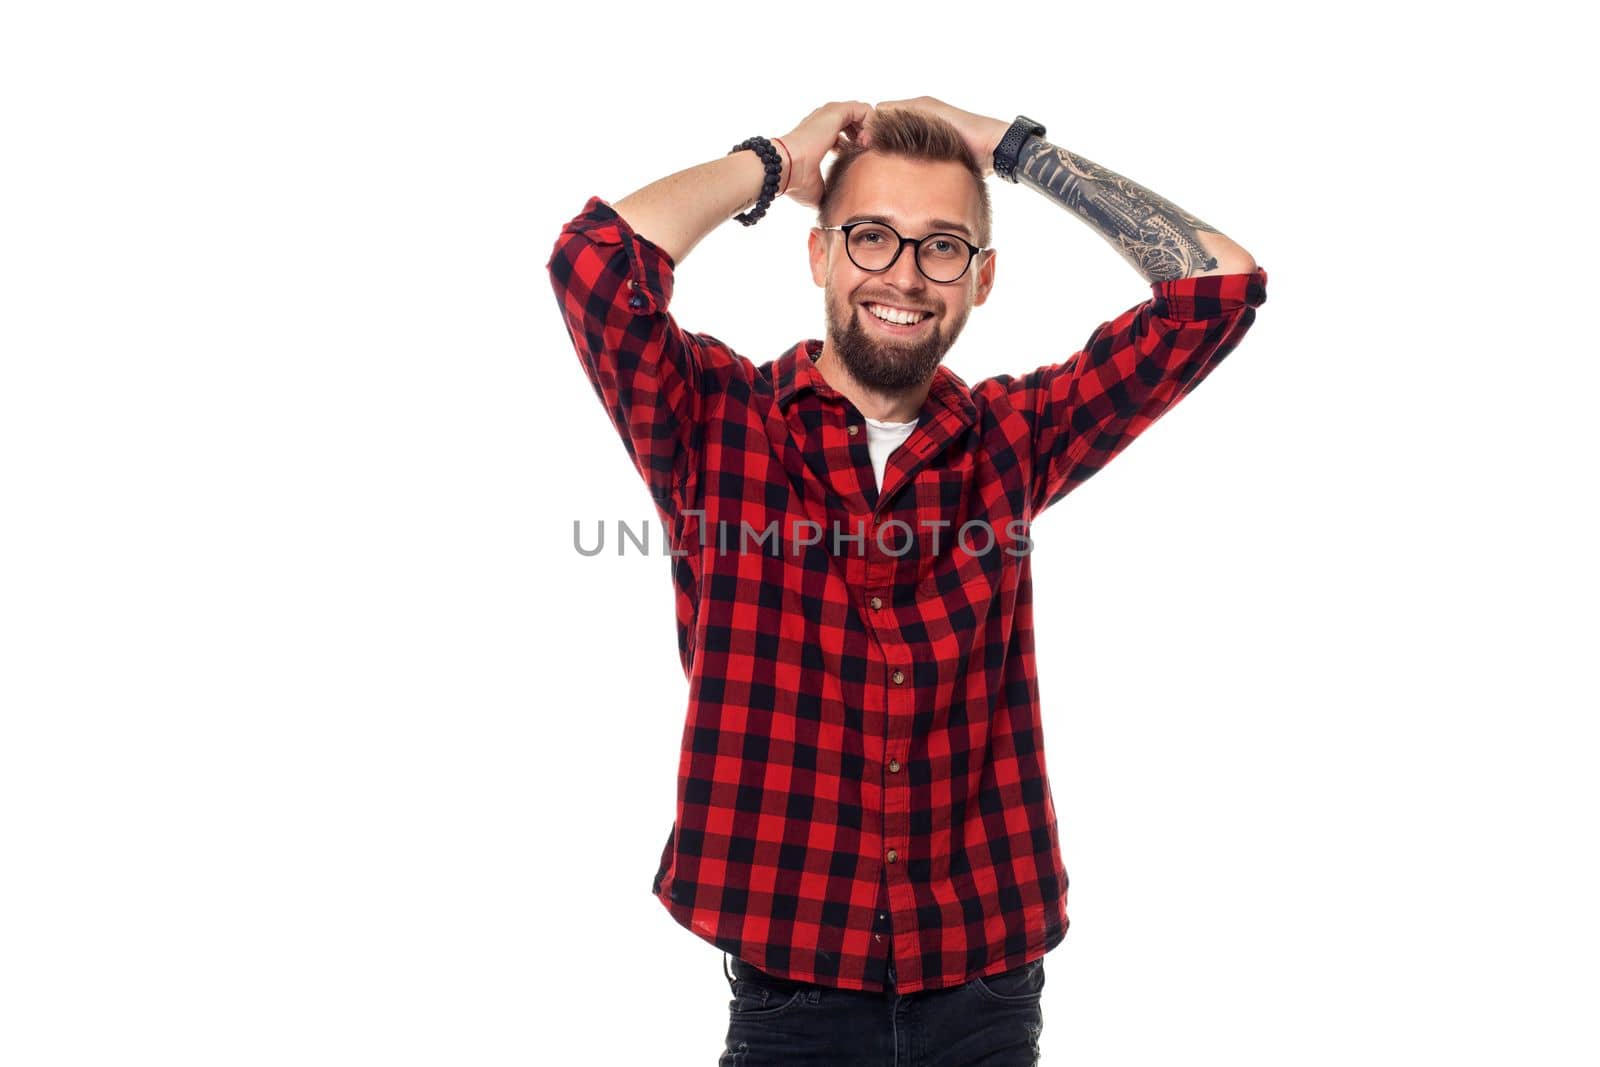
(904,318)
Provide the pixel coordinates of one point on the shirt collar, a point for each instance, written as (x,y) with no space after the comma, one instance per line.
(796,371)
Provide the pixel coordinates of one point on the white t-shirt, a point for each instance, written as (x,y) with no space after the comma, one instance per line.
(882,439)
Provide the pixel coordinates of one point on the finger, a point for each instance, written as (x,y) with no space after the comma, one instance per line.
(856,131)
(855,113)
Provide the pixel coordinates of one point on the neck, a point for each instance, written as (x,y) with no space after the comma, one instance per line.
(902,406)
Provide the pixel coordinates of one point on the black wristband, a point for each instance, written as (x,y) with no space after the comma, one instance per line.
(1005,153)
(769,187)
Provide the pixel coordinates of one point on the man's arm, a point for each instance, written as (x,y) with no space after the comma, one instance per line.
(1084,410)
(1161,240)
(1088,408)
(678,211)
(614,287)
(613,269)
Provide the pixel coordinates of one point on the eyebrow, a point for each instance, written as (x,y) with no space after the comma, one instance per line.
(937,225)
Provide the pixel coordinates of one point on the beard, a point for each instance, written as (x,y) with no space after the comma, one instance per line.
(879,361)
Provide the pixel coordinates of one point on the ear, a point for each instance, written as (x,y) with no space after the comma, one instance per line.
(818,250)
(985,277)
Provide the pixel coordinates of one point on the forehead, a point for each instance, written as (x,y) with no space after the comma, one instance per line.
(912,196)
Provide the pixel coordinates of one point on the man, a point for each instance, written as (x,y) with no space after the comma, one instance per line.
(864,822)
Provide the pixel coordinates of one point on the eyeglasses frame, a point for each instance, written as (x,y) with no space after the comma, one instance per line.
(916,249)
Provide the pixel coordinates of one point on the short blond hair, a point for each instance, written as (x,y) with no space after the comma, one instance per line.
(909,134)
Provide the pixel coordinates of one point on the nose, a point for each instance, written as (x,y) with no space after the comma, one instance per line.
(904,274)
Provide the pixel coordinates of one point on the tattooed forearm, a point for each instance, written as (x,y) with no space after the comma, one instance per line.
(1154,234)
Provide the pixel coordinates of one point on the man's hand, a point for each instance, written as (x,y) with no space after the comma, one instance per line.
(982,134)
(829,127)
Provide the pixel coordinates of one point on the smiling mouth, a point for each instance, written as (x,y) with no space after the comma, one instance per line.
(895,327)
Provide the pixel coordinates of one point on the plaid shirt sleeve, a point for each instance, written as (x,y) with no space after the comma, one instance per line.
(1085,410)
(613,286)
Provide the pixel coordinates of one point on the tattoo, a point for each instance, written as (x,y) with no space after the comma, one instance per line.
(1153,234)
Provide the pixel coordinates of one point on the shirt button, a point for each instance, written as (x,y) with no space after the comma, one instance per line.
(893,855)
(898,677)
(636,301)
(894,766)
(876,602)
(854,429)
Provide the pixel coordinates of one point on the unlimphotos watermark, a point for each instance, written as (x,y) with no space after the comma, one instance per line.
(895,537)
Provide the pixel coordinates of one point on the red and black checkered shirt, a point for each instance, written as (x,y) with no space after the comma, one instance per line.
(863,762)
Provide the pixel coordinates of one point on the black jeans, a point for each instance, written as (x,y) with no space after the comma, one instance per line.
(988,1022)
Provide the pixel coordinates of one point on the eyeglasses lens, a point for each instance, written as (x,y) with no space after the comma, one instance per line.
(942,257)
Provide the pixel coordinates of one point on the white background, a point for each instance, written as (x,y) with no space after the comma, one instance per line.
(322,745)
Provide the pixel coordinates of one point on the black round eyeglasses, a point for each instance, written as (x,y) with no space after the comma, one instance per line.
(875,246)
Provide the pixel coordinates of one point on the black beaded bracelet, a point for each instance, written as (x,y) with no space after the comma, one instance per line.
(769,188)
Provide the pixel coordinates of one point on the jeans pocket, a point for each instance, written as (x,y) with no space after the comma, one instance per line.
(752,1001)
(757,994)
(1016,986)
